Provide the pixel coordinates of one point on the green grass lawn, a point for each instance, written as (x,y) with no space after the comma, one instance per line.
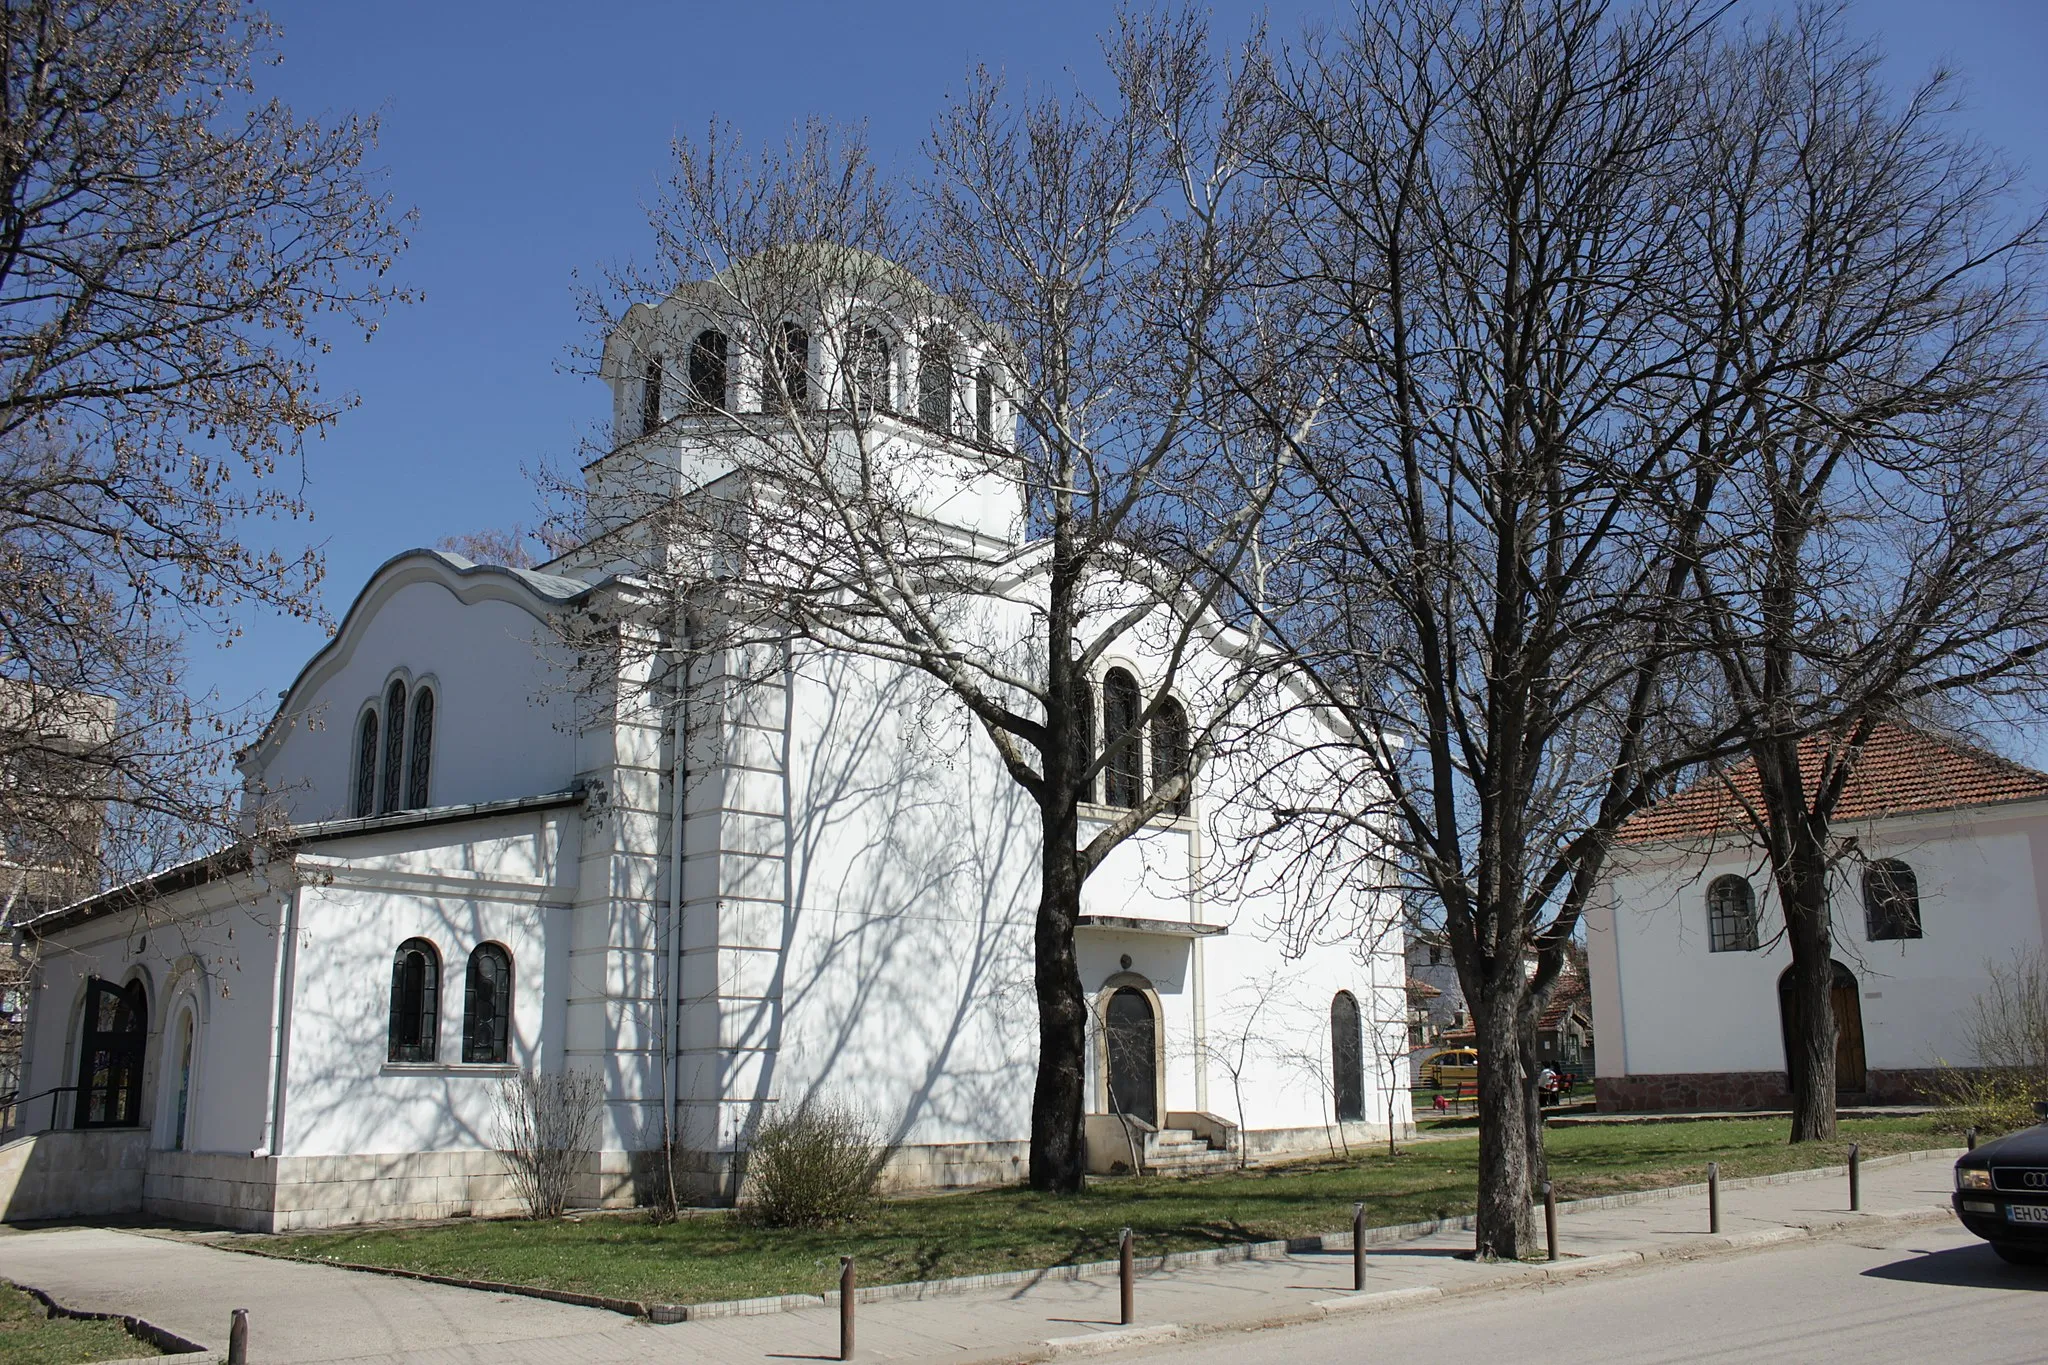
(715,1257)
(27,1337)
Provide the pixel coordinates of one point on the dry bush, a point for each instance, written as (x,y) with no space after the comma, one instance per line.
(813,1167)
(2007,1029)
(548,1125)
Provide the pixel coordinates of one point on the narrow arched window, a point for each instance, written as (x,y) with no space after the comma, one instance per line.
(421,768)
(1122,745)
(650,396)
(1891,899)
(487,1005)
(394,749)
(708,371)
(1347,1058)
(415,1001)
(868,372)
(1170,749)
(790,386)
(1731,915)
(935,383)
(366,765)
(985,407)
(1084,723)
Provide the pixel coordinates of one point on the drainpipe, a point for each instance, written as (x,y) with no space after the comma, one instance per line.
(672,997)
(280,1021)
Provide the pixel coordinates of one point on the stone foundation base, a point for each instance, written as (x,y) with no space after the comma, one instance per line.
(1680,1091)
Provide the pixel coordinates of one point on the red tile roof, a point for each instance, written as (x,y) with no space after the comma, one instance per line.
(1568,993)
(1901,770)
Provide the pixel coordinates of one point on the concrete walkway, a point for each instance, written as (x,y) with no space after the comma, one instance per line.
(306,1313)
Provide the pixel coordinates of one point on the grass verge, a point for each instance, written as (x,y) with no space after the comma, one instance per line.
(703,1259)
(28,1336)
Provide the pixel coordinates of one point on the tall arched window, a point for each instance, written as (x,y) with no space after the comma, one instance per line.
(1170,748)
(110,1055)
(487,1005)
(935,383)
(708,370)
(415,1001)
(867,371)
(420,769)
(1891,899)
(790,385)
(1122,745)
(394,749)
(1731,915)
(650,396)
(984,407)
(1084,716)
(1347,1058)
(366,765)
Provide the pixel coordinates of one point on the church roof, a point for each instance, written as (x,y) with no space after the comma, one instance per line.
(1903,770)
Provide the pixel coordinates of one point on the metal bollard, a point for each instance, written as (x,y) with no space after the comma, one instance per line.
(846,1308)
(1855,1179)
(238,1338)
(1550,1220)
(1713,1196)
(1123,1274)
(1970,1140)
(1358,1248)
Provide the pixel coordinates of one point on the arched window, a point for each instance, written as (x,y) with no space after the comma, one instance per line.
(394,749)
(790,385)
(984,407)
(487,1005)
(1084,716)
(366,765)
(420,769)
(1891,899)
(181,1104)
(110,1055)
(650,396)
(1170,748)
(1347,1058)
(415,1001)
(1731,915)
(708,371)
(1122,745)
(935,383)
(867,371)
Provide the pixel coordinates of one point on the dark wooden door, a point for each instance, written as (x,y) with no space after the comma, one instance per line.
(110,1055)
(1848,1003)
(1133,1043)
(1347,1058)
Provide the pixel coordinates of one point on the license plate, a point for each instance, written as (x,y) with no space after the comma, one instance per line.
(2027,1213)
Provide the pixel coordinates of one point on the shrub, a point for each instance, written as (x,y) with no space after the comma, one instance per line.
(813,1167)
(2007,1029)
(1991,1101)
(547,1132)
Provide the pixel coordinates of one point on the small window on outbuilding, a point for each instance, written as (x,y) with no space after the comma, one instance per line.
(708,371)
(415,1001)
(1891,900)
(1731,915)
(487,1005)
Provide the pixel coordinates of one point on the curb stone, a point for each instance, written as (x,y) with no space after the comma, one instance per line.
(1380,1299)
(1117,1339)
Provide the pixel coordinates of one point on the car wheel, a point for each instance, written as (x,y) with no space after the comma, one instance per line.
(2016,1254)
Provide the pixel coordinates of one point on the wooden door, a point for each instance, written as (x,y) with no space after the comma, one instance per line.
(1132,1035)
(1848,1003)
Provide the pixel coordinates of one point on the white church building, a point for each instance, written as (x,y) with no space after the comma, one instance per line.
(826,891)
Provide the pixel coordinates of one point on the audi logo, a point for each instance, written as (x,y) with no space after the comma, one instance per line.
(2035,1180)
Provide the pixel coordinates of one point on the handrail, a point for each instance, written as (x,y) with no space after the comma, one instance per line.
(11,1107)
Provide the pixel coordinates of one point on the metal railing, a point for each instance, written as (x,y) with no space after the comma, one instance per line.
(15,1110)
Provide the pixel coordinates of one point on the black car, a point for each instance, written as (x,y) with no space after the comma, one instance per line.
(2002,1193)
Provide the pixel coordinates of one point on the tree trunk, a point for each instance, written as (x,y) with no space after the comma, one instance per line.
(1058,1162)
(1810,1030)
(1539,1160)
(1506,1221)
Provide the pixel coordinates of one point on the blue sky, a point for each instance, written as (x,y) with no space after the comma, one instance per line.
(529,135)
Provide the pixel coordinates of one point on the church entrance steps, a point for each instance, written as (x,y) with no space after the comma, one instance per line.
(1177,1151)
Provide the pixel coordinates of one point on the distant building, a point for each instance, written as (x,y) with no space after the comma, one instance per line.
(1946,871)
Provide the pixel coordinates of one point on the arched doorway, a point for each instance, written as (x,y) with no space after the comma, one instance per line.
(1347,1058)
(1131,1039)
(1848,1007)
(110,1055)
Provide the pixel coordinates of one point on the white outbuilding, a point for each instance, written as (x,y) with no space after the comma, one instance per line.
(481,853)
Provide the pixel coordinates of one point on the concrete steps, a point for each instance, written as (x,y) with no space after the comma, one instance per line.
(1177,1151)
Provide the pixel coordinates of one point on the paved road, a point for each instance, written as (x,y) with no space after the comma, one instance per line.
(1929,1294)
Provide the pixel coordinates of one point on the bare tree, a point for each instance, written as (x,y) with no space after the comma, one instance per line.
(1879,544)
(173,253)
(991,472)
(548,1124)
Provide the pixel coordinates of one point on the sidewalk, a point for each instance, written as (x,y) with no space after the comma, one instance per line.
(307,1313)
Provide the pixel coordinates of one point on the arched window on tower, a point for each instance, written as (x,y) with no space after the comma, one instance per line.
(650,396)
(1122,744)
(788,385)
(1731,915)
(935,383)
(487,1005)
(1084,722)
(708,371)
(366,764)
(415,1001)
(420,770)
(394,749)
(867,372)
(1891,899)
(1170,748)
(984,407)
